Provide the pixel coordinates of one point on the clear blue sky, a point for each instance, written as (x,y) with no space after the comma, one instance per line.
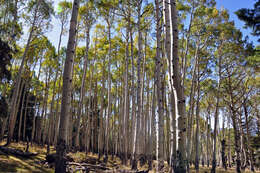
(230,5)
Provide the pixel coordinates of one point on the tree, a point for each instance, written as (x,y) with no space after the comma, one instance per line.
(160,89)
(251,18)
(60,165)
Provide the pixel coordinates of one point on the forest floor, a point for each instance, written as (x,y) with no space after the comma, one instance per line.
(37,164)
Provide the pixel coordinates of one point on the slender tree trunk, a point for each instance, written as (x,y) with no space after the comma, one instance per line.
(82,89)
(57,117)
(45,121)
(237,143)
(244,158)
(51,131)
(25,116)
(21,114)
(250,151)
(19,97)
(136,146)
(3,127)
(159,86)
(197,141)
(184,58)
(126,100)
(178,92)
(101,129)
(235,119)
(191,103)
(149,129)
(214,161)
(147,120)
(168,40)
(229,143)
(208,134)
(109,110)
(51,121)
(142,118)
(152,137)
(35,101)
(90,117)
(60,165)
(133,90)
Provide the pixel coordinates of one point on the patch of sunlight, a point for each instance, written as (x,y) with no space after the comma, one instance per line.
(78,156)
(22,162)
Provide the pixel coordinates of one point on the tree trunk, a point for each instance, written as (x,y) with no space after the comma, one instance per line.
(197,141)
(208,134)
(101,128)
(126,100)
(250,151)
(168,40)
(60,165)
(44,116)
(57,117)
(109,98)
(178,92)
(34,116)
(214,164)
(159,87)
(136,146)
(25,115)
(133,111)
(237,143)
(229,143)
(191,103)
(223,156)
(21,114)
(82,90)
(51,119)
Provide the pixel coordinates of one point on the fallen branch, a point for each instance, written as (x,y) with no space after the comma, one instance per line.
(87,165)
(16,152)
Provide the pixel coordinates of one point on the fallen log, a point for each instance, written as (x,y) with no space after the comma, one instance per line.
(17,152)
(88,165)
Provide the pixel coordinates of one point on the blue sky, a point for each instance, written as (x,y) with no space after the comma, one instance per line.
(230,5)
(234,5)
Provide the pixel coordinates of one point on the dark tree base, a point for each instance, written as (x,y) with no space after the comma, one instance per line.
(134,164)
(142,159)
(105,158)
(60,161)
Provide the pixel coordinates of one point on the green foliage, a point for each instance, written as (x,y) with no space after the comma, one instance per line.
(5,61)
(254,59)
(251,18)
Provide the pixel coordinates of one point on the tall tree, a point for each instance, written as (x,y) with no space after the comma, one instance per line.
(178,89)
(160,90)
(60,165)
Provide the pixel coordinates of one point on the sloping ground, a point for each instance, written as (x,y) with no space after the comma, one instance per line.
(14,163)
(80,163)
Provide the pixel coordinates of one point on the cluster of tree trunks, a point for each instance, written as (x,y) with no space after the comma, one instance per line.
(142,117)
